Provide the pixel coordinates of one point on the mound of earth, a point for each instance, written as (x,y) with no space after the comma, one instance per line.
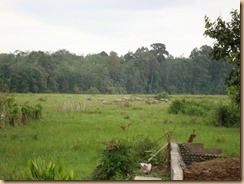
(216,169)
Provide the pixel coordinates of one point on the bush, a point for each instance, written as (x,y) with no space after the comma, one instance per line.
(144,149)
(93,90)
(226,115)
(120,159)
(29,111)
(164,95)
(9,110)
(39,169)
(176,107)
(190,107)
(11,113)
(118,162)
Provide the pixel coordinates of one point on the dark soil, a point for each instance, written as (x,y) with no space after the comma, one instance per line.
(216,169)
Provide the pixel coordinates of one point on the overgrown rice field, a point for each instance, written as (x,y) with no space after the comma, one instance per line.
(73,129)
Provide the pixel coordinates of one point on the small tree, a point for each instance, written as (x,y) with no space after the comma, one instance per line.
(227,47)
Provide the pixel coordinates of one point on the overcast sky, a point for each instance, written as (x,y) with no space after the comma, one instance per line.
(92,26)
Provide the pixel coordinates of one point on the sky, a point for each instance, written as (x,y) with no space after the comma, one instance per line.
(92,26)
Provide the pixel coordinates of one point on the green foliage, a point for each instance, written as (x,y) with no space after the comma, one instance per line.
(12,113)
(144,149)
(159,50)
(176,107)
(218,115)
(120,159)
(227,47)
(118,162)
(93,90)
(39,169)
(9,110)
(164,95)
(226,115)
(30,112)
(190,107)
(146,71)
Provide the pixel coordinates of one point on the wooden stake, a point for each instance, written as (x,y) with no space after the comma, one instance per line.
(157,153)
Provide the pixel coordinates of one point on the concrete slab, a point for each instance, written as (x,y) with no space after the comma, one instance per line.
(146,178)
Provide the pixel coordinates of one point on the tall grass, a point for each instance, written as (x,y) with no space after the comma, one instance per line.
(77,137)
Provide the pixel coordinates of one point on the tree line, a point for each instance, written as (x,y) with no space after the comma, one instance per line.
(145,71)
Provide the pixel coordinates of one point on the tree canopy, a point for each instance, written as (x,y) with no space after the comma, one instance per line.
(227,48)
(145,71)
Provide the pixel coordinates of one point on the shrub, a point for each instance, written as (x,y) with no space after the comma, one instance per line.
(226,115)
(176,107)
(29,111)
(11,113)
(162,95)
(9,110)
(190,107)
(144,149)
(39,169)
(120,159)
(93,90)
(118,162)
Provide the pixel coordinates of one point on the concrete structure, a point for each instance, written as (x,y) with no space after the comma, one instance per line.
(183,154)
(177,164)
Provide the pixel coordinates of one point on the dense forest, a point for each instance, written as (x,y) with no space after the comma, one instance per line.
(144,72)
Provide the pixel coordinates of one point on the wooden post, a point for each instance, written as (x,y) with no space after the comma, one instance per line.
(168,151)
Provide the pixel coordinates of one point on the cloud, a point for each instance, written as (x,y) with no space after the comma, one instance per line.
(83,26)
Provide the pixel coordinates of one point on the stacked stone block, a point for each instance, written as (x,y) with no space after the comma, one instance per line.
(194,152)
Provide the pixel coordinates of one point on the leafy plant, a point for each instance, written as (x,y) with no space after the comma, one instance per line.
(118,162)
(164,95)
(190,107)
(11,113)
(144,149)
(39,169)
(227,47)
(93,90)
(120,159)
(29,111)
(9,109)
(226,115)
(176,107)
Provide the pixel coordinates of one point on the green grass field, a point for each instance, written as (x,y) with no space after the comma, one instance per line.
(73,129)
